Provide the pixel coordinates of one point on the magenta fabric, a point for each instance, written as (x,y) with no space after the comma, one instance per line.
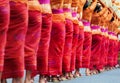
(95,27)
(44,1)
(86,23)
(74,14)
(66,9)
(57,11)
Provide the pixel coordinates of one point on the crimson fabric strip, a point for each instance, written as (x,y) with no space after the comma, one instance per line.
(56,45)
(110,53)
(14,52)
(43,49)
(4,22)
(102,53)
(116,52)
(106,50)
(32,39)
(87,43)
(79,50)
(86,49)
(68,46)
(74,45)
(95,51)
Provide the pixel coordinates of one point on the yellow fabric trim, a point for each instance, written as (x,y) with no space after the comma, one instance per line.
(34,5)
(96,31)
(57,4)
(75,20)
(46,8)
(67,5)
(58,17)
(68,15)
(67,1)
(75,3)
(87,29)
(21,1)
(81,24)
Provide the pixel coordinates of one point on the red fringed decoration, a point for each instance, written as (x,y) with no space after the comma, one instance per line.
(79,50)
(67,46)
(42,54)
(4,22)
(74,45)
(32,39)
(14,52)
(56,45)
(86,45)
(95,51)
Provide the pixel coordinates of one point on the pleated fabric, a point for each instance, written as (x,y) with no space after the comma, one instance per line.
(79,49)
(119,45)
(68,46)
(43,50)
(74,45)
(14,51)
(4,22)
(115,51)
(57,42)
(104,49)
(33,35)
(102,54)
(96,48)
(86,45)
(110,58)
